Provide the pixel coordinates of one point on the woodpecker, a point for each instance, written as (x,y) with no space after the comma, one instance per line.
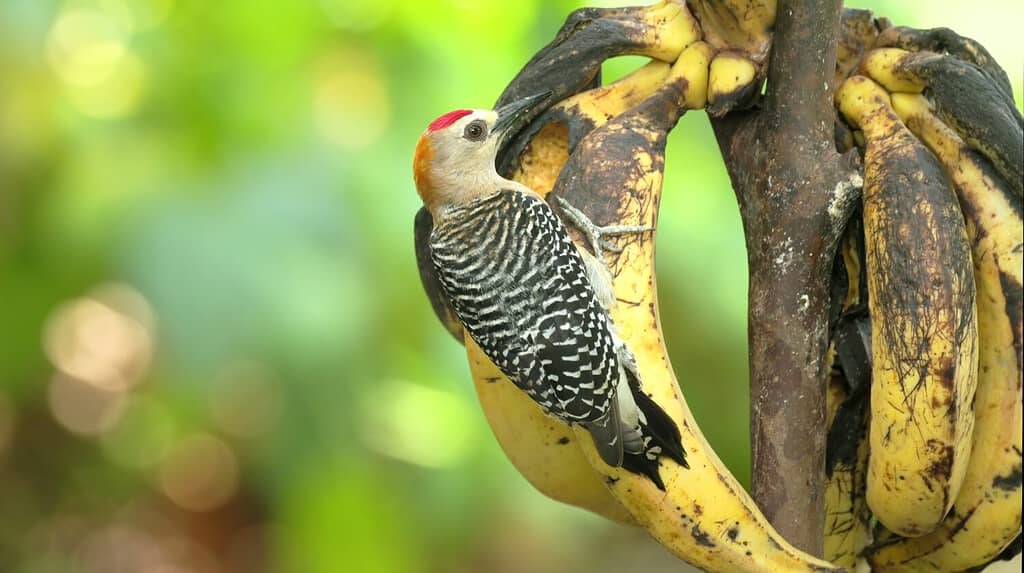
(538,306)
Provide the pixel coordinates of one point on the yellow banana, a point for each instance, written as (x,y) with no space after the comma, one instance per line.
(545,451)
(858,30)
(924,327)
(614,175)
(883,66)
(592,35)
(986,515)
(731,81)
(743,25)
(965,97)
(946,41)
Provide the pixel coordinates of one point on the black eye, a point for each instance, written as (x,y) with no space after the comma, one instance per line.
(475,131)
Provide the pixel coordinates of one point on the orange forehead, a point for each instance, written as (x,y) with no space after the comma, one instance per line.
(421,162)
(448,119)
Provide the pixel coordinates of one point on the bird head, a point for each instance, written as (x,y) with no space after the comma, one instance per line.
(454,158)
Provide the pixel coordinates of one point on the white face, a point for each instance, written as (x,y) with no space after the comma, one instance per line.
(462,166)
(467,143)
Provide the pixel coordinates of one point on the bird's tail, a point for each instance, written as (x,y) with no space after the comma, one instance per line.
(660,436)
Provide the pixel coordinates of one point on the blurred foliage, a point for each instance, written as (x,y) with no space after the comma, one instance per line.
(215,354)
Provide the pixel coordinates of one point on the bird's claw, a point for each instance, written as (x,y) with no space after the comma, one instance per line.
(595,233)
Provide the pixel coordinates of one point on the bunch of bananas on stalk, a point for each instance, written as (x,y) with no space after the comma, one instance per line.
(925,440)
(924,445)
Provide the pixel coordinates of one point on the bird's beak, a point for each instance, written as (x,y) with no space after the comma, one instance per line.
(510,114)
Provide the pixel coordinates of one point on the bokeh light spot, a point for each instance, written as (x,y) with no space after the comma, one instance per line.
(118,95)
(83,408)
(103,339)
(85,46)
(199,473)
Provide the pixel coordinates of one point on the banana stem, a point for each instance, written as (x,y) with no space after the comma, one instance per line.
(795,193)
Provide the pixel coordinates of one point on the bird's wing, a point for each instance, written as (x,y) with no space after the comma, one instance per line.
(521,289)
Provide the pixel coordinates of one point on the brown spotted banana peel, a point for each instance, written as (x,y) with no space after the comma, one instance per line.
(572,60)
(740,33)
(986,515)
(965,97)
(946,41)
(847,518)
(543,450)
(614,175)
(740,25)
(921,295)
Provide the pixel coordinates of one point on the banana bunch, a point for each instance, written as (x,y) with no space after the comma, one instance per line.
(602,150)
(943,252)
(924,391)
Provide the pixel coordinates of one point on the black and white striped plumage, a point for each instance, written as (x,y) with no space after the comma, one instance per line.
(521,289)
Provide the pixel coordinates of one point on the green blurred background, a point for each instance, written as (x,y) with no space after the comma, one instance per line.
(215,353)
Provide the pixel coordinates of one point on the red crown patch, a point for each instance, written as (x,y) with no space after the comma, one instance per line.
(448,119)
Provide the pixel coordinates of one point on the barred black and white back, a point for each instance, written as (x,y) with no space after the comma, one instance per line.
(521,289)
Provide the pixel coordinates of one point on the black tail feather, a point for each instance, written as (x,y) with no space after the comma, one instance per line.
(661,435)
(662,428)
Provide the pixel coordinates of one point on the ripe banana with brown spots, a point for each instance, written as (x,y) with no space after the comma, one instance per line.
(965,98)
(740,33)
(986,515)
(590,36)
(946,41)
(613,173)
(542,449)
(921,295)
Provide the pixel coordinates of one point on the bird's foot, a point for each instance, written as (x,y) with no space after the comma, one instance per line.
(596,234)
